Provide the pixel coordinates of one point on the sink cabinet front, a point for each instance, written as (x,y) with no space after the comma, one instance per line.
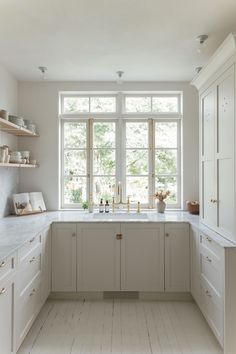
(98,257)
(142,257)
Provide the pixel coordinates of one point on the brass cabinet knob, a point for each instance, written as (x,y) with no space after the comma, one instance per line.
(2,264)
(119,236)
(74,234)
(167,235)
(2,291)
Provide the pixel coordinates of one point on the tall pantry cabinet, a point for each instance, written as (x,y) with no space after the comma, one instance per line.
(217,92)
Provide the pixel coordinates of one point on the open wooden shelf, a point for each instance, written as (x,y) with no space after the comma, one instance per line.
(14,129)
(21,165)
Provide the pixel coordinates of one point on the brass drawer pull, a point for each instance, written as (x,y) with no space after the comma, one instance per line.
(119,236)
(32,240)
(2,264)
(2,291)
(32,260)
(208,293)
(33,292)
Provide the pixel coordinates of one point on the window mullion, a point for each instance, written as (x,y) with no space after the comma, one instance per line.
(90,159)
(151,179)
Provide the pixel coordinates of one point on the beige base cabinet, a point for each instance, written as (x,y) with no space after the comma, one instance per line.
(64,257)
(142,257)
(177,257)
(195,264)
(46,265)
(98,257)
(7,271)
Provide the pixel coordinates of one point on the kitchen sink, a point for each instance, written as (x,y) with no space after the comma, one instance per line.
(120,216)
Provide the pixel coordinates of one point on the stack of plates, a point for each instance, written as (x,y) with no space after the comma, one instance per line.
(30,125)
(17,120)
(16,157)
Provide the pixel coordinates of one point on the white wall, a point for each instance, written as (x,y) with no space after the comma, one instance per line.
(39,101)
(8,176)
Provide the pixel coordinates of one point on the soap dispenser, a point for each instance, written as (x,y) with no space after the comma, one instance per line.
(107,207)
(101,206)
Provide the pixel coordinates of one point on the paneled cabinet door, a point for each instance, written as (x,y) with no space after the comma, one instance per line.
(225,153)
(6,308)
(64,257)
(177,257)
(98,253)
(142,257)
(208,183)
(46,265)
(195,264)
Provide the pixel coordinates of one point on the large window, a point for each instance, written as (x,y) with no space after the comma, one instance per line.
(123,138)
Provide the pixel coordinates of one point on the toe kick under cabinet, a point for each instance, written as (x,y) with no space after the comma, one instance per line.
(144,257)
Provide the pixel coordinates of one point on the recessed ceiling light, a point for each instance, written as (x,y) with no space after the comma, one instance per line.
(201,42)
(120,73)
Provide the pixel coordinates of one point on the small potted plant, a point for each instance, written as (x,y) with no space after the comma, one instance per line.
(161,196)
(85,205)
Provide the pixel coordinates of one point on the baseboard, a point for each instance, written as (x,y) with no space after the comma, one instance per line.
(99,295)
(153,296)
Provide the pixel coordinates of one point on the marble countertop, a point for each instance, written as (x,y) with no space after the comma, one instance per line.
(15,230)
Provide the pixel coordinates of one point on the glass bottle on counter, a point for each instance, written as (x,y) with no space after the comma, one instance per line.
(107,207)
(101,206)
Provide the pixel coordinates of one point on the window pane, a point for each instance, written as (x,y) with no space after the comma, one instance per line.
(168,183)
(76,104)
(137,188)
(75,162)
(137,104)
(74,190)
(103,187)
(75,135)
(137,134)
(166,134)
(166,162)
(103,104)
(104,135)
(104,162)
(136,162)
(165,104)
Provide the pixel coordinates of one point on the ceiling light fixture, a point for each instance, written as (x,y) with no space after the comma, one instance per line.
(119,74)
(43,70)
(201,42)
(198,69)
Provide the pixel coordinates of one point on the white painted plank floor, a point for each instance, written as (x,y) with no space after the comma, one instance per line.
(121,327)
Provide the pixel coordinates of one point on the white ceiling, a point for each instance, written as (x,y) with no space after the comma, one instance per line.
(151,40)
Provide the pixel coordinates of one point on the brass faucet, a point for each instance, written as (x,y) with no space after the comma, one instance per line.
(138,207)
(120,203)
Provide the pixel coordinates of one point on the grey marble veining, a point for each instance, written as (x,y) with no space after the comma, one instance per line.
(15,231)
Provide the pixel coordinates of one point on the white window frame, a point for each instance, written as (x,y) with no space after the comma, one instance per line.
(120,117)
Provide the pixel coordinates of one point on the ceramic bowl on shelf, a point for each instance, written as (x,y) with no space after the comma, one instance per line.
(17,120)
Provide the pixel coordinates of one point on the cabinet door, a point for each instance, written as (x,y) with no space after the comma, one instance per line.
(98,250)
(142,257)
(225,153)
(46,265)
(208,180)
(195,264)
(64,257)
(6,308)
(177,257)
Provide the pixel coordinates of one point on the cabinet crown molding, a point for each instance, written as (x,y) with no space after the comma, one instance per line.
(221,55)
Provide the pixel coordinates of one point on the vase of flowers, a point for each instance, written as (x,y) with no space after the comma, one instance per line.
(161,196)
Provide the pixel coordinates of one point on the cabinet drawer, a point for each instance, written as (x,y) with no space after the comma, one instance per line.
(29,269)
(7,267)
(210,244)
(28,305)
(211,268)
(28,247)
(212,306)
